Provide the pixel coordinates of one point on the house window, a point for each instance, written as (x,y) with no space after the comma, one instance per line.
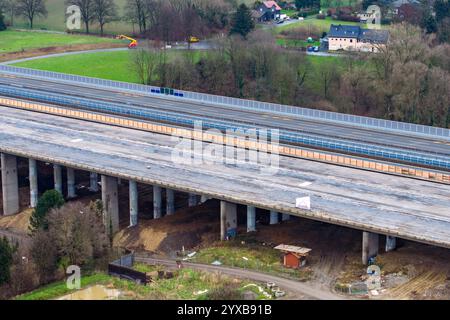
(351,40)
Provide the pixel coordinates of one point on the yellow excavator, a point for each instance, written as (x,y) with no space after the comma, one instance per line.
(133,42)
(193,39)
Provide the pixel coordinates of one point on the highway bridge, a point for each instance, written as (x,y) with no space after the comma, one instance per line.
(382,198)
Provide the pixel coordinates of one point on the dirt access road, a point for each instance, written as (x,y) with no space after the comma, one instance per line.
(286,284)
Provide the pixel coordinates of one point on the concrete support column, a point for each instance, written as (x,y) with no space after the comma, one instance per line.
(285,217)
(57,177)
(93,185)
(228,220)
(203,199)
(273,217)
(193,200)
(156,202)
(369,246)
(10,184)
(33,177)
(251,219)
(391,243)
(71,183)
(110,199)
(170,201)
(134,203)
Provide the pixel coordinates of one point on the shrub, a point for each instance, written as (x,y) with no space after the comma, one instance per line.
(49,200)
(320,16)
(6,260)
(346,17)
(226,292)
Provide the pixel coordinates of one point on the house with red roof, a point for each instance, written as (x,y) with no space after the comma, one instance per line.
(268,10)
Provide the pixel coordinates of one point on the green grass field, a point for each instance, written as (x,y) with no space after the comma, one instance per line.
(13,41)
(88,64)
(313,22)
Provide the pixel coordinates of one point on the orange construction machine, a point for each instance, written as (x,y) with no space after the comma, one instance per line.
(133,44)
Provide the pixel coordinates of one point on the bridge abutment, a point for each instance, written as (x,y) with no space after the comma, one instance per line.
(33,179)
(228,220)
(110,199)
(370,243)
(10,184)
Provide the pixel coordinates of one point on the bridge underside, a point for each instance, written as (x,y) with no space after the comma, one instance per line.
(379,203)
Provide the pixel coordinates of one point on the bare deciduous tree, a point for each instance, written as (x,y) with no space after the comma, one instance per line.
(104,11)
(31,9)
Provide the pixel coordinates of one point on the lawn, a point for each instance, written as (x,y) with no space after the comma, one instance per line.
(88,64)
(13,41)
(313,22)
(186,284)
(116,64)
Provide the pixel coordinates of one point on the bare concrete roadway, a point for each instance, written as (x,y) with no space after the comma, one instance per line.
(398,206)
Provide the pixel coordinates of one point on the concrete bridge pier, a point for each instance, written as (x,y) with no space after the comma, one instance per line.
(157,202)
(57,176)
(170,201)
(193,200)
(251,219)
(10,184)
(228,220)
(33,177)
(370,243)
(391,243)
(93,182)
(110,199)
(71,183)
(285,217)
(134,203)
(204,198)
(273,217)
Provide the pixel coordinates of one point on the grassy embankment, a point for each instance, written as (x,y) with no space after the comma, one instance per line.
(17,41)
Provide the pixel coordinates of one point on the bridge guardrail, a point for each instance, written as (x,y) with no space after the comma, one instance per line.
(365,122)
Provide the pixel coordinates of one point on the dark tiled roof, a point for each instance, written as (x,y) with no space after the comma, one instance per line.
(376,36)
(366,35)
(344,31)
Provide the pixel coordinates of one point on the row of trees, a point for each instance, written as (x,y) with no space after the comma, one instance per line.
(92,11)
(167,20)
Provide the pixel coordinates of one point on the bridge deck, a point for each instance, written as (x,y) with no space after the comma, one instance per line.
(407,208)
